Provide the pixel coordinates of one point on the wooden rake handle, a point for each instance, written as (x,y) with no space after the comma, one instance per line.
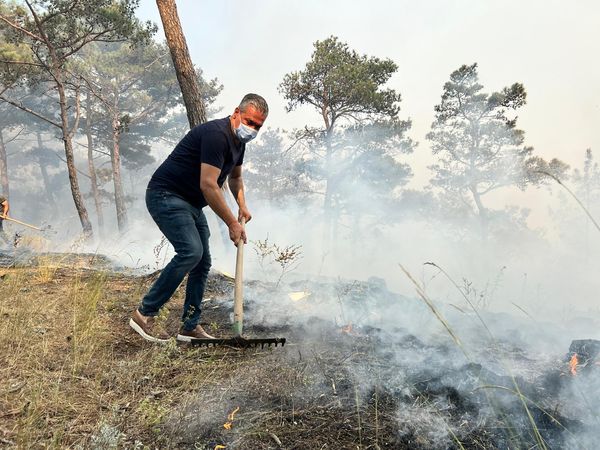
(19,222)
(238,290)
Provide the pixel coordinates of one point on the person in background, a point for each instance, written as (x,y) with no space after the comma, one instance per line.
(188,180)
(3,214)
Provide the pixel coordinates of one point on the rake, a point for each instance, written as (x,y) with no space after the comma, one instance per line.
(238,315)
(3,217)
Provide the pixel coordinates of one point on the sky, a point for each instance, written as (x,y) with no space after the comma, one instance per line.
(551,47)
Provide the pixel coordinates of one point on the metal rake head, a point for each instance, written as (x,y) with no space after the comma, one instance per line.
(240,342)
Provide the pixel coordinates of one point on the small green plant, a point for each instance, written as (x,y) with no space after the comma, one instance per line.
(157,250)
(151,413)
(481,297)
(270,254)
(107,437)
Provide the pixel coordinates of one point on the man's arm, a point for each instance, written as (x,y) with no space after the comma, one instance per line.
(236,185)
(215,199)
(5,208)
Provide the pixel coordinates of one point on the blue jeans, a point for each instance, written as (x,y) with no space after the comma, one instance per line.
(3,233)
(186,229)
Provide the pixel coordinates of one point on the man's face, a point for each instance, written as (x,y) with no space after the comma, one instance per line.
(251,117)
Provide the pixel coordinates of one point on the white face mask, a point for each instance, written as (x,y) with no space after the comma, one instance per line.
(244,133)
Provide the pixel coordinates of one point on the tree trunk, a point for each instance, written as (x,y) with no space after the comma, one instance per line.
(67,139)
(184,68)
(92,167)
(115,160)
(482,212)
(3,167)
(45,176)
(328,213)
(271,190)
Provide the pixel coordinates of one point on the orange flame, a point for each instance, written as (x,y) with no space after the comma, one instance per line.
(573,364)
(227,425)
(350,330)
(347,328)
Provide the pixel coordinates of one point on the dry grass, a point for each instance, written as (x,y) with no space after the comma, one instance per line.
(71,371)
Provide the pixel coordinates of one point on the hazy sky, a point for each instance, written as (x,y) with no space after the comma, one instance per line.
(552,47)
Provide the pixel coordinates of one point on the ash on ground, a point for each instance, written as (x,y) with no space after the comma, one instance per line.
(357,373)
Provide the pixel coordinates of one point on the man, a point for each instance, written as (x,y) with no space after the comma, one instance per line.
(187,181)
(4,212)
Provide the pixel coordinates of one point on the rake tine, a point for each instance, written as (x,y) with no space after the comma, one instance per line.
(240,342)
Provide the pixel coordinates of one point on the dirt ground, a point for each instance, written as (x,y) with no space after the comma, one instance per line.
(74,375)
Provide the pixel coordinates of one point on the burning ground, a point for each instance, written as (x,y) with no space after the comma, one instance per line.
(363,368)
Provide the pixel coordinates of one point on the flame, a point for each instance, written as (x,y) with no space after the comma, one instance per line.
(227,425)
(573,364)
(219,447)
(347,328)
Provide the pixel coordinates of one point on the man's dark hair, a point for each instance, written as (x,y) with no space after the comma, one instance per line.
(255,100)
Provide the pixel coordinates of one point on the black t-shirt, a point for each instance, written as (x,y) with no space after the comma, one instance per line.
(210,143)
(2,200)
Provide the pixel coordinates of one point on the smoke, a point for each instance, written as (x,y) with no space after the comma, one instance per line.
(547,271)
(515,300)
(534,290)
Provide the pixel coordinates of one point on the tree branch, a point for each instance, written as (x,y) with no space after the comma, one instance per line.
(73,5)
(21,29)
(30,111)
(78,171)
(126,87)
(42,62)
(15,136)
(90,86)
(25,63)
(95,148)
(44,37)
(153,106)
(85,41)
